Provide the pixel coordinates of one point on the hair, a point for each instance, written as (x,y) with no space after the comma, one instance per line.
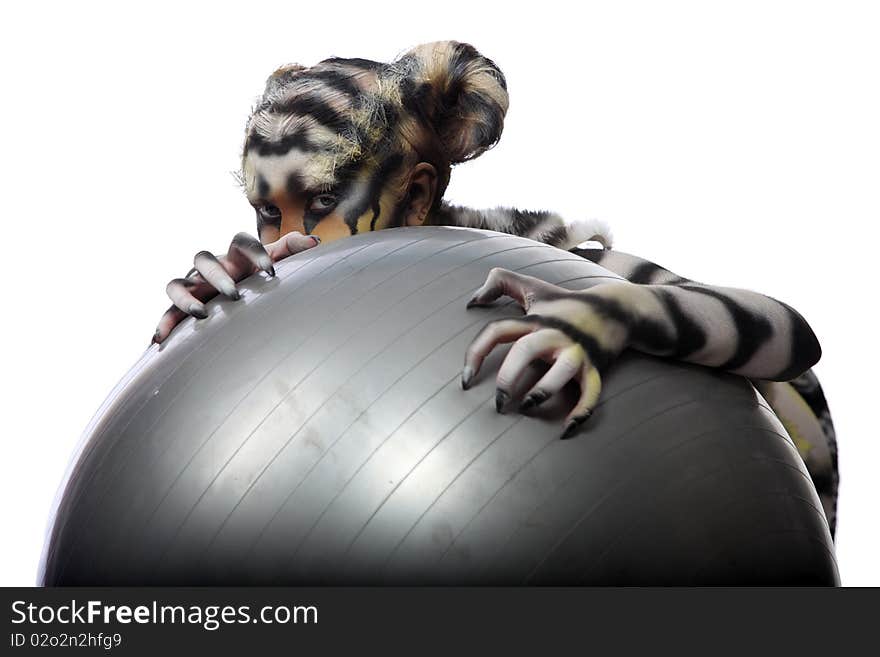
(443,103)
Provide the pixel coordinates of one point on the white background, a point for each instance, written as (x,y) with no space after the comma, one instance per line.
(736,143)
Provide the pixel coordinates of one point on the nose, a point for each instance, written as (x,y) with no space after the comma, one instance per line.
(291,220)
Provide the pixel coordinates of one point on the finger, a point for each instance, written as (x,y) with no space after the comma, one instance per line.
(591,386)
(248,254)
(179,291)
(291,244)
(568,363)
(494,333)
(525,350)
(523,289)
(210,268)
(172,317)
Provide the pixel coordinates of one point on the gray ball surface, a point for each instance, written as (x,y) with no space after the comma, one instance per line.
(315,432)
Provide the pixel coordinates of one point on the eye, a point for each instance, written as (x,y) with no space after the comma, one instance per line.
(323,203)
(269,211)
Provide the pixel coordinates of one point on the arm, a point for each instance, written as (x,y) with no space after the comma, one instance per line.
(582,332)
(732,329)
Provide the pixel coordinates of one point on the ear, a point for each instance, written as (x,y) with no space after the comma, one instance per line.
(420,194)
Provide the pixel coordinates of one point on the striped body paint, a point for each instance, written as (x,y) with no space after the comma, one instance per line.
(661,313)
(352,145)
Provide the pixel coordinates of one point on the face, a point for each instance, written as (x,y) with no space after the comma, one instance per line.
(290,193)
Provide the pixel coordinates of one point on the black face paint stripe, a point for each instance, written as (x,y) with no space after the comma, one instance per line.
(262,220)
(377,209)
(311,218)
(264,147)
(345,176)
(262,187)
(294,185)
(752,330)
(374,190)
(267,222)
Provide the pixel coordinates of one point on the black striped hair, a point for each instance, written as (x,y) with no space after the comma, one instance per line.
(441,102)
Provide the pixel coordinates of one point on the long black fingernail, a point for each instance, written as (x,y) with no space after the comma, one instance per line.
(569,430)
(527,404)
(533,399)
(472,303)
(155,339)
(573,424)
(467,375)
(271,271)
(501,399)
(316,238)
(197,310)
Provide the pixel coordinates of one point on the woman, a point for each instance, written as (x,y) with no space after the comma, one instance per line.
(352,145)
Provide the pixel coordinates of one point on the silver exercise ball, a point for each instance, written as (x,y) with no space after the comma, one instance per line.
(315,432)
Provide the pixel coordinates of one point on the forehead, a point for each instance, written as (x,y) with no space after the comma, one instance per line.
(307,128)
(266,176)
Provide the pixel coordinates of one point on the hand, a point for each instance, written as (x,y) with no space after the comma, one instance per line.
(580,333)
(213,275)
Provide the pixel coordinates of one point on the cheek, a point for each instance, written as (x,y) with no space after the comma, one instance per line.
(365,222)
(388,216)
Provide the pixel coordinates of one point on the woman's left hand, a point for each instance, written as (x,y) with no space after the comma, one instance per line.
(579,332)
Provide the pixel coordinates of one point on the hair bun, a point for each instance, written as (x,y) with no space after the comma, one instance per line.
(459,93)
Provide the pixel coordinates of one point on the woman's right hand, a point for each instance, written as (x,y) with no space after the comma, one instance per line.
(212,275)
